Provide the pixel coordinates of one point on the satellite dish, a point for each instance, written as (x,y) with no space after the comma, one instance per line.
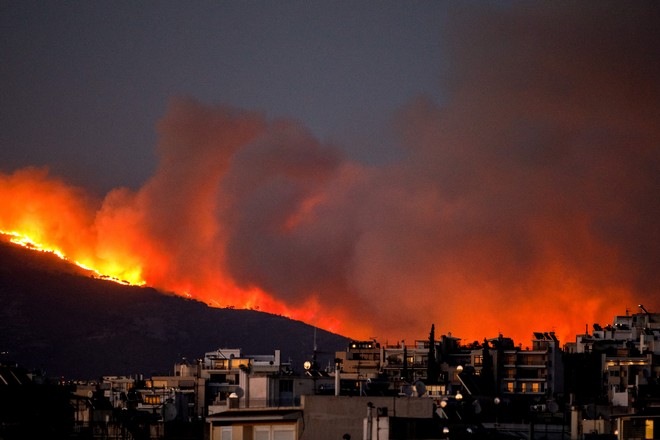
(407,390)
(168,412)
(90,394)
(420,388)
(307,365)
(477,407)
(239,392)
(552,406)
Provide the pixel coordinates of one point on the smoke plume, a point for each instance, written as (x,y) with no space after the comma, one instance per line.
(527,201)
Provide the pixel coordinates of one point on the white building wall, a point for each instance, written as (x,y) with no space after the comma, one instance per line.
(258,390)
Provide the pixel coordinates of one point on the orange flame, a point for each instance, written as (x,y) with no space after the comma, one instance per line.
(45,214)
(26,242)
(243,214)
(48,215)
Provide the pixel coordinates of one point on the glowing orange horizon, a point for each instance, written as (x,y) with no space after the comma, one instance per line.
(27,242)
(258,300)
(133,238)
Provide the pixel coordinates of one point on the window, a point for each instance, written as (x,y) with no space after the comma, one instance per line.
(220,364)
(274,432)
(286,386)
(262,433)
(283,433)
(535,388)
(366,356)
(393,359)
(225,433)
(509,387)
(236,363)
(219,378)
(151,400)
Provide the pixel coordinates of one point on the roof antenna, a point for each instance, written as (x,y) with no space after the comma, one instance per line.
(315,366)
(315,347)
(641,306)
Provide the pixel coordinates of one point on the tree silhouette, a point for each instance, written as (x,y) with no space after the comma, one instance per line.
(487,371)
(404,374)
(432,371)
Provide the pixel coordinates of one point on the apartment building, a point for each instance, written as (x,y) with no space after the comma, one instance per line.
(235,379)
(538,371)
(405,363)
(362,360)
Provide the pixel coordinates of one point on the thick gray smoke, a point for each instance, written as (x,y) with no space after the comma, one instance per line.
(530,196)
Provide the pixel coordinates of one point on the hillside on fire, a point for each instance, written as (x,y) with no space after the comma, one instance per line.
(57,318)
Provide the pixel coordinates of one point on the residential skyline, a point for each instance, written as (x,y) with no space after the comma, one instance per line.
(605,383)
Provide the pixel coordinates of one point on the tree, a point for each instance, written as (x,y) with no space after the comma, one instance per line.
(487,371)
(432,371)
(404,374)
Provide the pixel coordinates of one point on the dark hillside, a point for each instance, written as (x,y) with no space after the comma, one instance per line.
(54,316)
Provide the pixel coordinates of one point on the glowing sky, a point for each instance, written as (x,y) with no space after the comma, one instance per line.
(373,167)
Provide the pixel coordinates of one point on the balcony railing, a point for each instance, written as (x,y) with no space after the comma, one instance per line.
(226,404)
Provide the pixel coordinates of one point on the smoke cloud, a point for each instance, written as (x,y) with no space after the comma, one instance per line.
(528,201)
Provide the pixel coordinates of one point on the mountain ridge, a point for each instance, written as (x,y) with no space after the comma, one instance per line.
(58,318)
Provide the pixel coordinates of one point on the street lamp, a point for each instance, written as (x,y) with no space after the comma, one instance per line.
(338,363)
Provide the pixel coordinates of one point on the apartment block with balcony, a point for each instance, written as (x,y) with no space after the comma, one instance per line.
(405,363)
(234,378)
(624,375)
(641,330)
(362,360)
(537,371)
(259,396)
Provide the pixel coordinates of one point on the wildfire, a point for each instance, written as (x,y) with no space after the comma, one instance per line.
(308,312)
(461,232)
(112,240)
(28,243)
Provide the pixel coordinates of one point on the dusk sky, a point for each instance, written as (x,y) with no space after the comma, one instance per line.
(84,83)
(369,167)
